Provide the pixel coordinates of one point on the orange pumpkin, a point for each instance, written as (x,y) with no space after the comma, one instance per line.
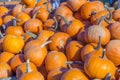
(59,41)
(105,66)
(74,73)
(63,11)
(28,11)
(73,51)
(33,25)
(5,59)
(29,2)
(17,8)
(75,5)
(3,11)
(80,36)
(54,60)
(113,28)
(7,19)
(23,17)
(27,38)
(14,30)
(93,32)
(16,61)
(43,14)
(89,8)
(31,75)
(5,70)
(56,73)
(116,15)
(21,69)
(1,21)
(13,44)
(112,51)
(36,54)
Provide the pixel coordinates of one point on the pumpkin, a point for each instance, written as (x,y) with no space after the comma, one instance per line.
(14,30)
(21,69)
(6,57)
(72,27)
(114,30)
(27,38)
(54,60)
(3,11)
(16,61)
(31,75)
(33,25)
(13,43)
(93,32)
(29,2)
(59,41)
(74,73)
(75,5)
(7,19)
(45,35)
(116,15)
(42,14)
(63,23)
(73,51)
(23,17)
(56,73)
(28,11)
(63,11)
(90,48)
(89,8)
(80,36)
(36,54)
(112,51)
(99,66)
(17,8)
(5,70)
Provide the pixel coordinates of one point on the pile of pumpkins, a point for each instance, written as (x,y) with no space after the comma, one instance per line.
(79,40)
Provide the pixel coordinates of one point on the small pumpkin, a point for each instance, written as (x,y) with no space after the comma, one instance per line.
(105,66)
(16,61)
(37,54)
(7,19)
(31,75)
(3,11)
(59,41)
(5,70)
(93,32)
(75,5)
(6,57)
(89,8)
(54,60)
(23,17)
(14,30)
(33,25)
(21,69)
(73,51)
(74,73)
(112,51)
(116,15)
(29,2)
(13,43)
(1,21)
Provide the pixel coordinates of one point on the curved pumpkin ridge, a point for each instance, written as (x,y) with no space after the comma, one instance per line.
(44,44)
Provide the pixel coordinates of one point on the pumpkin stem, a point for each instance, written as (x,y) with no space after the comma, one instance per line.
(66,22)
(101,20)
(99,44)
(104,54)
(62,45)
(31,34)
(4,27)
(1,35)
(108,76)
(14,22)
(34,16)
(44,44)
(56,23)
(75,62)
(23,7)
(28,69)
(47,6)
(110,15)
(69,65)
